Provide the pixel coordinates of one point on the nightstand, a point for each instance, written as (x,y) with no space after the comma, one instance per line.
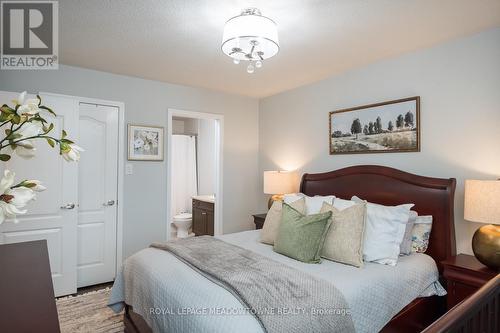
(259,219)
(464,275)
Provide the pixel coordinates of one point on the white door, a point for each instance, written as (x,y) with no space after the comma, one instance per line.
(47,217)
(98,181)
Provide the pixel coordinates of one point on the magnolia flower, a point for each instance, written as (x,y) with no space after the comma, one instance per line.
(34,185)
(20,196)
(29,106)
(25,149)
(72,153)
(7,181)
(9,211)
(12,200)
(30,129)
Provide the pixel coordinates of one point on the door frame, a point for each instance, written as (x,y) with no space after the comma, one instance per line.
(219,153)
(121,166)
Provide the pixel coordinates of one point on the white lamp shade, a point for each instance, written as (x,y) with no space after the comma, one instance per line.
(482,201)
(279,182)
(241,30)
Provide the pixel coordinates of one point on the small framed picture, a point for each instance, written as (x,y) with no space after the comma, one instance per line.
(387,127)
(145,143)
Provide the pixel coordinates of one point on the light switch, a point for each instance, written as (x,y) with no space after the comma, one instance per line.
(129,169)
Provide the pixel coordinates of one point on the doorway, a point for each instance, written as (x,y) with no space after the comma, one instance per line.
(194,167)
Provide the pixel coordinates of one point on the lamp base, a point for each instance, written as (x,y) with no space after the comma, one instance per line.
(273,198)
(486,245)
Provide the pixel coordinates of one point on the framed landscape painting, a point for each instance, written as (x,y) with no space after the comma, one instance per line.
(145,143)
(386,127)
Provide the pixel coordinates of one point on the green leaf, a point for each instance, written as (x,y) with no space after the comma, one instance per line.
(16,119)
(14,136)
(64,147)
(4,157)
(6,109)
(48,129)
(67,141)
(51,142)
(47,109)
(39,100)
(64,134)
(37,117)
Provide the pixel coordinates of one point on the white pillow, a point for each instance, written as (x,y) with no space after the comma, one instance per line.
(342,204)
(385,228)
(313,204)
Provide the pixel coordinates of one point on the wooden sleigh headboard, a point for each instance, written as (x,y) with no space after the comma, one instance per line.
(389,186)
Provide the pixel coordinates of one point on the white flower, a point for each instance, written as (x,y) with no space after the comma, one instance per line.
(151,136)
(21,196)
(20,99)
(29,106)
(25,149)
(138,143)
(7,181)
(30,129)
(73,154)
(13,199)
(38,187)
(146,147)
(9,211)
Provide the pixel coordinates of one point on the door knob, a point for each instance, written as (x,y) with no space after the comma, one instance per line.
(68,206)
(109,203)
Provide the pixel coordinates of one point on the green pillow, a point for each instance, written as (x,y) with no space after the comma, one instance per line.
(302,236)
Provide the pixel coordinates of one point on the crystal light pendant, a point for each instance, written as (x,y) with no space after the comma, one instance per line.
(250,37)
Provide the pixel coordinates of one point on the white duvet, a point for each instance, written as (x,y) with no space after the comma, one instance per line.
(172,297)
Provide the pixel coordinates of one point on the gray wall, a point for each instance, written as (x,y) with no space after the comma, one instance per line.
(146,102)
(459,85)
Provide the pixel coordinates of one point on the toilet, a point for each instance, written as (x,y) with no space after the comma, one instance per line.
(183,222)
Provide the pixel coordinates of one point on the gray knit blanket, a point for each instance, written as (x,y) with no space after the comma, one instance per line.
(281,298)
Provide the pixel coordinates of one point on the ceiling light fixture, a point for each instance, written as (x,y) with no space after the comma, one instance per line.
(250,37)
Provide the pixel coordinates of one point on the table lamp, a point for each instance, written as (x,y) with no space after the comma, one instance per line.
(278,183)
(482,204)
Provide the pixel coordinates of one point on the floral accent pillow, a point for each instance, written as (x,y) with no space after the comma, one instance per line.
(421,234)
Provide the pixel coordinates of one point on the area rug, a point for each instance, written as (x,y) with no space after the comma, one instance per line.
(88,313)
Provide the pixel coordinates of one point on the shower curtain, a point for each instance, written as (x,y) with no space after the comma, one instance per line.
(184,173)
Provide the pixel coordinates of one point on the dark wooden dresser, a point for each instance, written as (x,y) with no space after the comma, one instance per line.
(203,218)
(464,275)
(27,302)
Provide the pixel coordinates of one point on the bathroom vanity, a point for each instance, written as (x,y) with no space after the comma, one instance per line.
(203,215)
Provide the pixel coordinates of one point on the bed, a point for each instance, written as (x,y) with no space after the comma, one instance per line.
(403,299)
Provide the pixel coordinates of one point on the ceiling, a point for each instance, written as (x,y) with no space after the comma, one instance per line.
(178,41)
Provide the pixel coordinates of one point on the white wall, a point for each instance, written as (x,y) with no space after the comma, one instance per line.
(459,85)
(206,156)
(146,102)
